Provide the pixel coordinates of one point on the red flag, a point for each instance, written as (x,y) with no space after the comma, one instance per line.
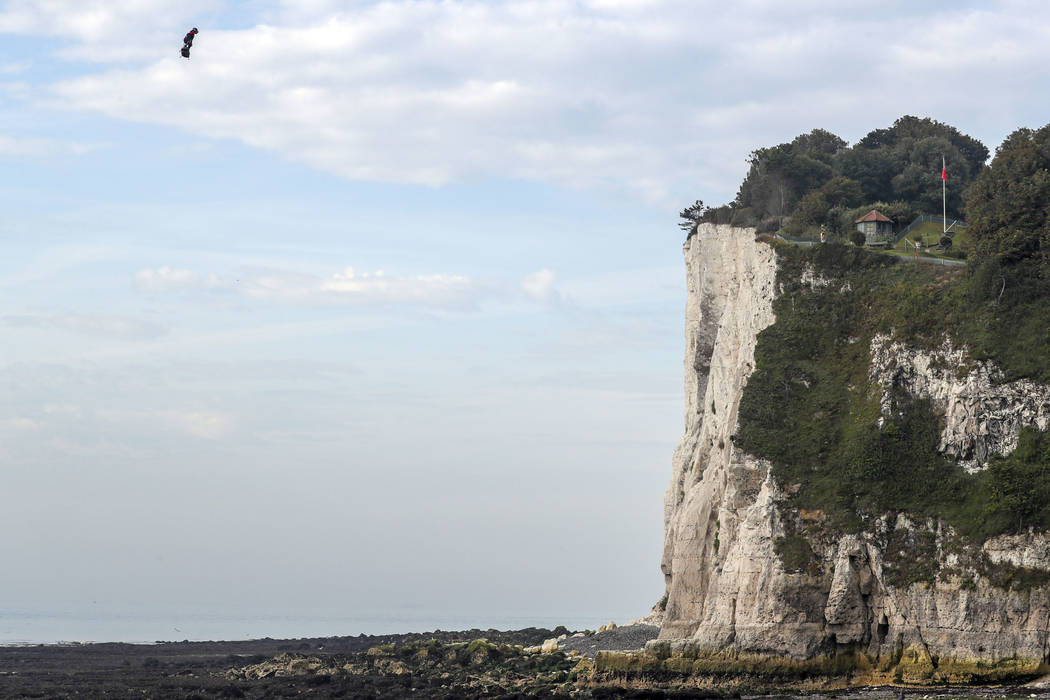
(944,170)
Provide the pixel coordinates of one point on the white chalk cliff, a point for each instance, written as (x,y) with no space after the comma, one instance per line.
(727,589)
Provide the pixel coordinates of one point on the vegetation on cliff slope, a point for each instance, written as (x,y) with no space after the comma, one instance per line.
(812,410)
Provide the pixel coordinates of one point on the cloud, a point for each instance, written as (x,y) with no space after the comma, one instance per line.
(63,409)
(423,92)
(348,287)
(428,290)
(34,147)
(662,98)
(22,423)
(539,286)
(208,425)
(91,324)
(165,279)
(12,67)
(123,29)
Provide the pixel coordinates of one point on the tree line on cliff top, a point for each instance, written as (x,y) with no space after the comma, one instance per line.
(818,180)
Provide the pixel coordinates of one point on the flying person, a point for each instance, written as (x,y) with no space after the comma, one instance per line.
(187,42)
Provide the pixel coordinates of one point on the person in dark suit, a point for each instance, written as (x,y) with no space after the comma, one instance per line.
(187,42)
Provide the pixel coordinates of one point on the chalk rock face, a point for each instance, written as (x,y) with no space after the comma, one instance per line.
(723,578)
(983,415)
(847,613)
(727,589)
(1030,551)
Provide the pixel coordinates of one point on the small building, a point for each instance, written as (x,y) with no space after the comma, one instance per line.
(876,227)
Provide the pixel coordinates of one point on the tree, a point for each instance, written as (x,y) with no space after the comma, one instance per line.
(903,163)
(843,191)
(1008,207)
(908,129)
(817,207)
(857,238)
(1019,484)
(691,215)
(812,210)
(779,176)
(872,168)
(725,214)
(819,144)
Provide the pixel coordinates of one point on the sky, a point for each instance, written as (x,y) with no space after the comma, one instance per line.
(375,309)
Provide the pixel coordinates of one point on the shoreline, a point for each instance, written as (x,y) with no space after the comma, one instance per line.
(22,626)
(471,663)
(202,668)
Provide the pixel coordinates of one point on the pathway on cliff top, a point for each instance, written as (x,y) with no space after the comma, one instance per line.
(920,258)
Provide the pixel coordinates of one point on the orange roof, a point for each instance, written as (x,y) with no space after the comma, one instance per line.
(873,216)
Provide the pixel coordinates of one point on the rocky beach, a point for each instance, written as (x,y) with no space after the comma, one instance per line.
(472,663)
(475,663)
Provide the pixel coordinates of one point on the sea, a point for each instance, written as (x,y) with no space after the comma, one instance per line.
(22,627)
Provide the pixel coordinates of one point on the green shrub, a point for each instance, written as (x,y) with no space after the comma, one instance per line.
(910,557)
(1019,485)
(797,555)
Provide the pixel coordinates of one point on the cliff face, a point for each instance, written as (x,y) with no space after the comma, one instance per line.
(727,587)
(719,513)
(983,415)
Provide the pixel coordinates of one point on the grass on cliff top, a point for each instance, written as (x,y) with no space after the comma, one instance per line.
(812,410)
(931,234)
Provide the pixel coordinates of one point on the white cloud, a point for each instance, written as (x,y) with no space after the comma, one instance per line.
(34,147)
(92,324)
(165,279)
(425,92)
(209,425)
(12,67)
(540,286)
(63,409)
(346,287)
(22,423)
(122,22)
(660,97)
(429,290)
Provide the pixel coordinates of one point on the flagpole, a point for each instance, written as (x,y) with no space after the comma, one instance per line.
(944,199)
